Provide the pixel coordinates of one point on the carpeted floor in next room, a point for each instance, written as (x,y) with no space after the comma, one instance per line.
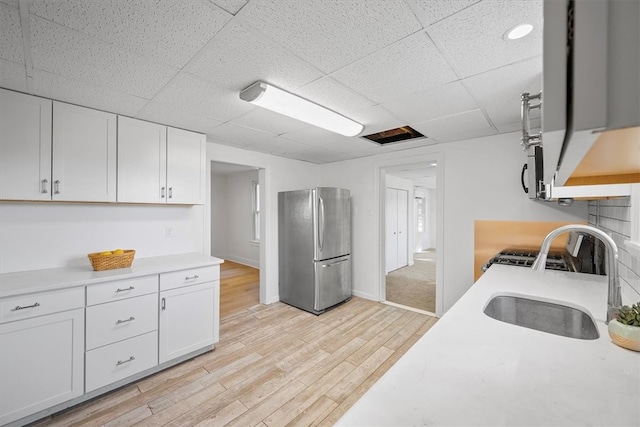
(415,285)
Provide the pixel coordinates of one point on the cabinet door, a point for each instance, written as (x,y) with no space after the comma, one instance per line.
(41,363)
(142,167)
(186,164)
(84,154)
(391,230)
(25,147)
(186,320)
(403,232)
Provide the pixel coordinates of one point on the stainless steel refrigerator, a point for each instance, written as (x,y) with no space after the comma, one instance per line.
(314,230)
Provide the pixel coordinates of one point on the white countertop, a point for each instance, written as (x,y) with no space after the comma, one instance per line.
(470,369)
(26,282)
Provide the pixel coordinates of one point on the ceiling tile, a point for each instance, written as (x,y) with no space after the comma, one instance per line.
(430,11)
(473,39)
(447,128)
(189,93)
(334,96)
(268,121)
(13,76)
(59,50)
(410,65)
(277,146)
(332,34)
(445,100)
(13,3)
(76,92)
(376,119)
(231,6)
(238,136)
(499,90)
(317,137)
(238,56)
(168,31)
(169,115)
(11,47)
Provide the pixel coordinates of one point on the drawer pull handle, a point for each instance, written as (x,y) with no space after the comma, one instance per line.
(19,307)
(122,362)
(125,320)
(194,277)
(130,288)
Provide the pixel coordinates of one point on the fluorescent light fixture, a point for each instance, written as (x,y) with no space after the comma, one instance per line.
(518,32)
(274,99)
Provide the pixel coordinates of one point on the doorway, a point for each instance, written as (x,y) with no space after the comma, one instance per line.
(236,234)
(410,194)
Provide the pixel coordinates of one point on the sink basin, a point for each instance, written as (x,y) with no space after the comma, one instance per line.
(542,316)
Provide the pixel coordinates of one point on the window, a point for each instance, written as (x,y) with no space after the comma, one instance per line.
(255,206)
(420,214)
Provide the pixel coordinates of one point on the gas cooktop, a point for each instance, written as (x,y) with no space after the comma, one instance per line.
(525,257)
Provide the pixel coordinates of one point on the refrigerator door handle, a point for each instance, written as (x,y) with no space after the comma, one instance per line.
(321,223)
(334,263)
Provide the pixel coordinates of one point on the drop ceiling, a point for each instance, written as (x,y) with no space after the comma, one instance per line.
(439,66)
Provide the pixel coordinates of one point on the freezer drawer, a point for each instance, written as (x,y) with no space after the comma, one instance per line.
(332,282)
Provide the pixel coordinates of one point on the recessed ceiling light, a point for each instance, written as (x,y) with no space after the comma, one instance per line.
(434,164)
(518,32)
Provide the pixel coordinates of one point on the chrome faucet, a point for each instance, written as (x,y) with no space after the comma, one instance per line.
(614,300)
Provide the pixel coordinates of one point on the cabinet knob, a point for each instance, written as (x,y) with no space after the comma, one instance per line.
(170,192)
(56,186)
(44,186)
(19,307)
(162,192)
(122,362)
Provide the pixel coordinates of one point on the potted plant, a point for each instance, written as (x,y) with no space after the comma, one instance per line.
(624,330)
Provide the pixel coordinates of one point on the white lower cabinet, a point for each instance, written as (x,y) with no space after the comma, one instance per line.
(57,347)
(108,364)
(186,320)
(41,362)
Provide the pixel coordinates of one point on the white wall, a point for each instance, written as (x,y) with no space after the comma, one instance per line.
(239,225)
(278,174)
(480,180)
(48,235)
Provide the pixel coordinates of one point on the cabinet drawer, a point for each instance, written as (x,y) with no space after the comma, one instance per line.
(114,362)
(121,289)
(192,276)
(119,320)
(38,304)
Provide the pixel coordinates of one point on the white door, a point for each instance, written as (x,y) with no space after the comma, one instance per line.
(25,147)
(396,250)
(186,320)
(84,154)
(403,232)
(391,233)
(186,167)
(142,154)
(41,363)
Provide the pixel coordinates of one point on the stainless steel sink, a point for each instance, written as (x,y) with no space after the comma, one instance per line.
(543,316)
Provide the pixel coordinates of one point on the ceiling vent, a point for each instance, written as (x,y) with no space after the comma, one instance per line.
(394,135)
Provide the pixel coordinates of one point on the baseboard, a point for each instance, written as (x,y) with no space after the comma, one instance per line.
(273,300)
(244,261)
(364,295)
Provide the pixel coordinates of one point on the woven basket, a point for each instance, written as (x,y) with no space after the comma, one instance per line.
(109,262)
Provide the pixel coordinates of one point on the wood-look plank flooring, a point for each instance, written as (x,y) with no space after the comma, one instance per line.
(239,288)
(275,365)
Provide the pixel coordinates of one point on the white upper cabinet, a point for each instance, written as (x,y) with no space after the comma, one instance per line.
(142,153)
(159,164)
(591,91)
(25,147)
(186,152)
(55,151)
(84,154)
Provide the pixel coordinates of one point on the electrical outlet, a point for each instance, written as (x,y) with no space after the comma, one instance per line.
(168,232)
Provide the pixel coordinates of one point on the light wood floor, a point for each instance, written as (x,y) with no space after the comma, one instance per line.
(274,366)
(239,288)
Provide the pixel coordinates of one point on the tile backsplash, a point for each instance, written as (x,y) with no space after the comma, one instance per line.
(612,216)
